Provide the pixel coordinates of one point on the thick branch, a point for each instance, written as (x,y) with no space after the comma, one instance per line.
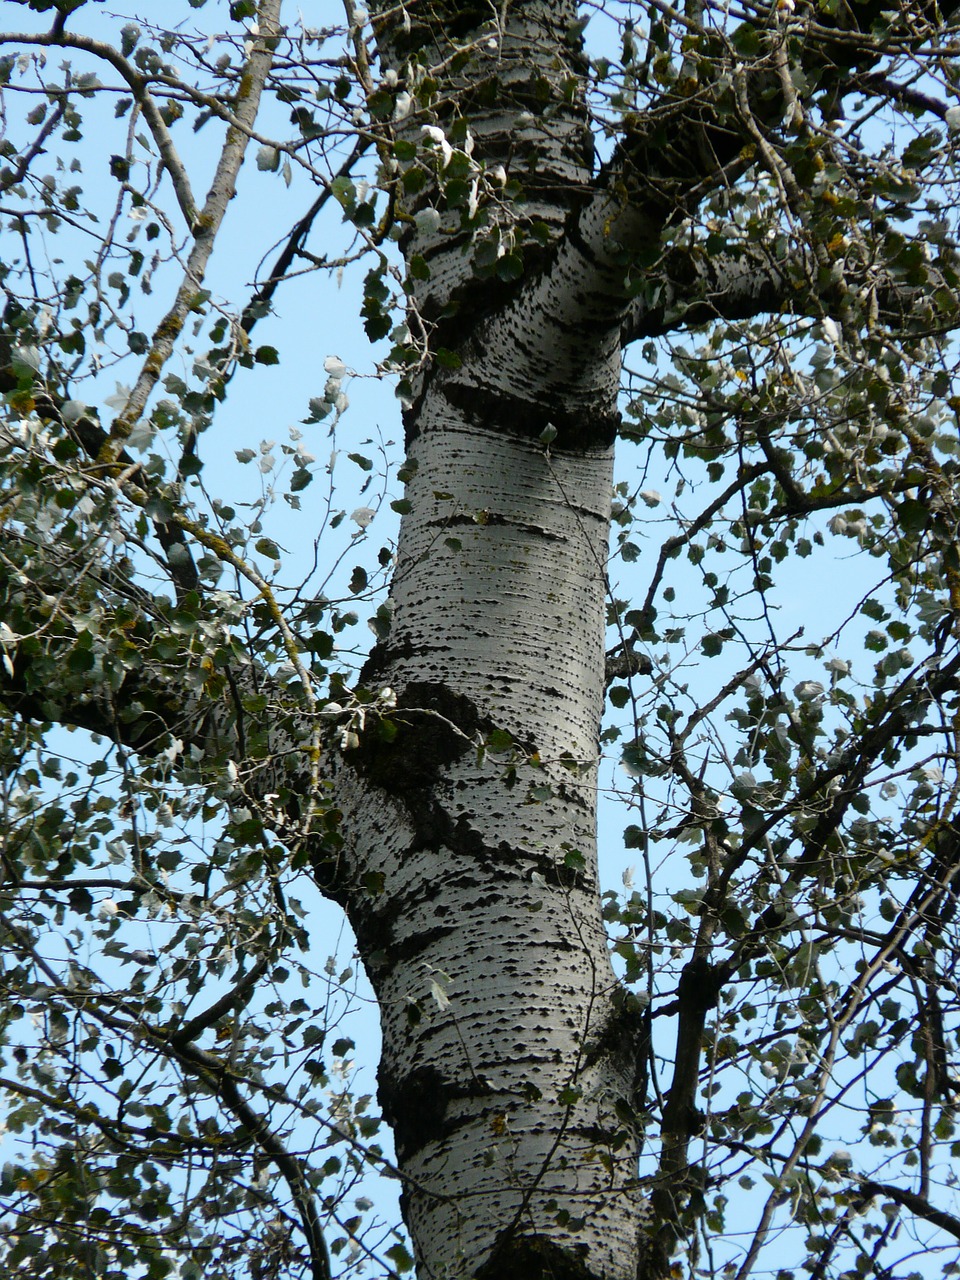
(693,132)
(691,287)
(563,325)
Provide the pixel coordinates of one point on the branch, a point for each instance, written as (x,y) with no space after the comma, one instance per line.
(233,999)
(690,288)
(217,1078)
(698,289)
(561,326)
(137,85)
(92,438)
(204,224)
(35,149)
(683,137)
(207,225)
(916,1204)
(259,303)
(903,708)
(216,1075)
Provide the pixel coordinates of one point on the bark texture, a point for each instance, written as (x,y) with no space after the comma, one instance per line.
(511,1055)
(488,860)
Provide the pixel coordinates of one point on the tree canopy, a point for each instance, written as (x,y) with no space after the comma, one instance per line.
(256,678)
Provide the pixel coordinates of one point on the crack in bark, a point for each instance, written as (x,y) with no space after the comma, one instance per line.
(373,915)
(416,1106)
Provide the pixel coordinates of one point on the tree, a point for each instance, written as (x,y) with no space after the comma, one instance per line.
(759,208)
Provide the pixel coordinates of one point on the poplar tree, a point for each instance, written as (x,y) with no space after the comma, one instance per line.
(720,238)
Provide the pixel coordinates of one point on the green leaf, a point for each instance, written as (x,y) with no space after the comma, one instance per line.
(344,192)
(913,516)
(510,266)
(499,741)
(400,1258)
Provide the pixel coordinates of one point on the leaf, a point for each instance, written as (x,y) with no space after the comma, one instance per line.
(400,1257)
(440,997)
(691,899)
(913,516)
(499,741)
(129,35)
(344,192)
(25,358)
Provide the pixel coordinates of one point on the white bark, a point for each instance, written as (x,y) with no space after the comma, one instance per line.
(531,125)
(498,623)
(474,874)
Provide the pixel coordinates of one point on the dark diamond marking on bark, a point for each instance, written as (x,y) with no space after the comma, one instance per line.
(424,742)
(532,1257)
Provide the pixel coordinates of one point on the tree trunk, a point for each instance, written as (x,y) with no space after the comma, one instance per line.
(478,868)
(510,1051)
